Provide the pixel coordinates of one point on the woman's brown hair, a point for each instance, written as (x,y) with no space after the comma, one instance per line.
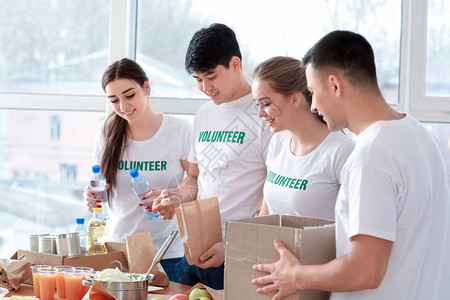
(116,127)
(285,75)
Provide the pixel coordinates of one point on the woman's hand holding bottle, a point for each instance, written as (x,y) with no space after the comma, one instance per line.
(92,202)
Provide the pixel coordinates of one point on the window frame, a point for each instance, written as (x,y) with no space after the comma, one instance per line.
(122,41)
(413,63)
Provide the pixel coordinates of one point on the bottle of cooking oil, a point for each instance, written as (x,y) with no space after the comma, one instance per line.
(97,232)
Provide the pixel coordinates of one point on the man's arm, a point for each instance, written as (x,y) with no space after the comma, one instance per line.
(362,268)
(264,211)
(186,191)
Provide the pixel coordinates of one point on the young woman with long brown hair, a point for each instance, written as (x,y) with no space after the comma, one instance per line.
(136,136)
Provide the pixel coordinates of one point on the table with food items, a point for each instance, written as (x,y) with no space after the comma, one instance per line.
(46,276)
(174,289)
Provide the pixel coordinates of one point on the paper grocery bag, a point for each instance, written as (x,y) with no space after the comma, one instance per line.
(213,294)
(140,253)
(17,271)
(200,227)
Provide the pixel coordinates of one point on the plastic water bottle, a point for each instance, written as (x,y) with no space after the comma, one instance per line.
(97,232)
(81,229)
(141,187)
(98,187)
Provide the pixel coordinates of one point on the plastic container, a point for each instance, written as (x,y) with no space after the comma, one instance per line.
(87,272)
(35,273)
(47,283)
(98,187)
(73,279)
(97,232)
(60,280)
(82,231)
(141,187)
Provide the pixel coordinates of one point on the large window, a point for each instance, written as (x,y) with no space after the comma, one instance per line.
(264,29)
(53,46)
(438,48)
(53,54)
(42,178)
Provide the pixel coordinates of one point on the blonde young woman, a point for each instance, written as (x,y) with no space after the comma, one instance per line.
(137,136)
(304,159)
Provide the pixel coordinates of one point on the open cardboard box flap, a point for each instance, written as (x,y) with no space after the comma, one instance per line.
(250,242)
(114,258)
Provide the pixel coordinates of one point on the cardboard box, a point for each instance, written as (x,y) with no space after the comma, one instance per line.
(250,242)
(97,262)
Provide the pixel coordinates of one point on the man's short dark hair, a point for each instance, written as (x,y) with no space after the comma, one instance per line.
(210,47)
(346,51)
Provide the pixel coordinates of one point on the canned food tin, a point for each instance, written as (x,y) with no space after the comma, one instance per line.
(47,244)
(33,241)
(68,244)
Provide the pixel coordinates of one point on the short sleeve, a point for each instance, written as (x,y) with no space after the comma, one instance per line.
(265,140)
(192,157)
(341,155)
(372,203)
(98,142)
(186,139)
(270,151)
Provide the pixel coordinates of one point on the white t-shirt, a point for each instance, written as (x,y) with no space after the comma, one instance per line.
(159,160)
(305,185)
(394,187)
(230,147)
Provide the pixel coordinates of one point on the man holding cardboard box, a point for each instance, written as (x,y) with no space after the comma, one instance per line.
(230,143)
(393,210)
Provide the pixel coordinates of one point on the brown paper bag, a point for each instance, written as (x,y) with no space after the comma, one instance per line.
(17,271)
(200,227)
(214,294)
(140,253)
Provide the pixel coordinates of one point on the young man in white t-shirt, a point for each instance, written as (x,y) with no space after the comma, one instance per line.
(393,209)
(230,143)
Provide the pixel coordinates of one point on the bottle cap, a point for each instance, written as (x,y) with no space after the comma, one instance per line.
(97,209)
(96,169)
(80,220)
(134,173)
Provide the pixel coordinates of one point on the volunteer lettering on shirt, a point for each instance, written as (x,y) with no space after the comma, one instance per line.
(284,181)
(158,165)
(222,136)
(162,166)
(229,146)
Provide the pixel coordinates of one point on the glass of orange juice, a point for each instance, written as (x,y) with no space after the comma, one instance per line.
(60,281)
(73,280)
(86,275)
(34,271)
(47,283)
